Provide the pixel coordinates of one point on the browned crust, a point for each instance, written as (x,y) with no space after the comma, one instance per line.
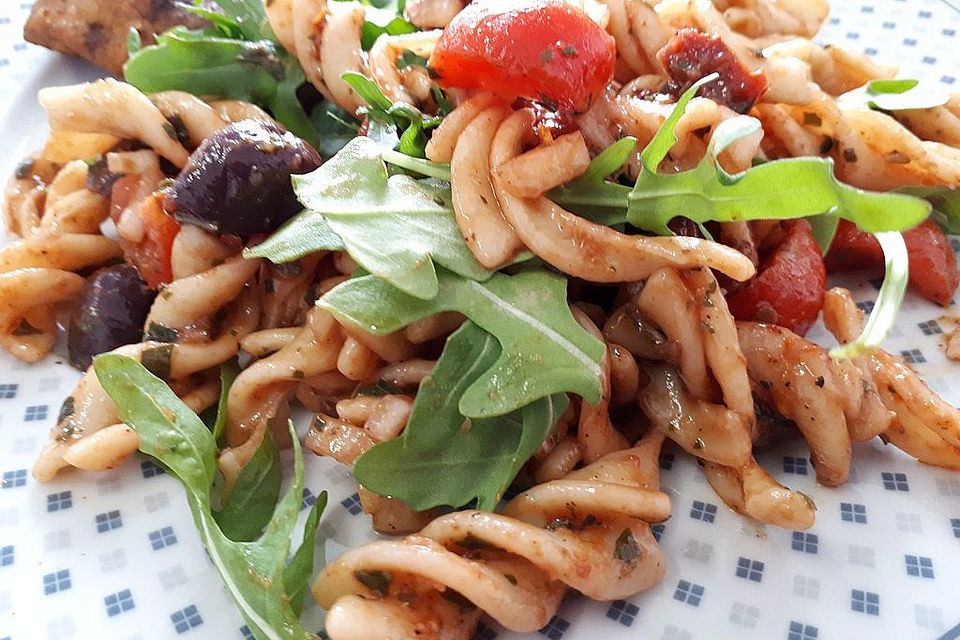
(96,30)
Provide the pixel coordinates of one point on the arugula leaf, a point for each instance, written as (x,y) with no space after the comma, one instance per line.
(378,22)
(408,58)
(240,19)
(429,168)
(228,373)
(780,189)
(945,202)
(296,579)
(334,126)
(393,226)
(253,572)
(895,95)
(208,64)
(544,352)
(393,125)
(880,322)
(306,233)
(247,508)
(134,42)
(824,227)
(443,459)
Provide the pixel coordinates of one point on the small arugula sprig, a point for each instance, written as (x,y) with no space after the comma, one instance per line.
(444,459)
(394,226)
(544,350)
(269,591)
(393,125)
(894,288)
(779,189)
(383,17)
(895,95)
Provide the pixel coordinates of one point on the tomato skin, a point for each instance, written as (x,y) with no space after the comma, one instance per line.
(544,50)
(933,266)
(790,285)
(152,255)
(691,55)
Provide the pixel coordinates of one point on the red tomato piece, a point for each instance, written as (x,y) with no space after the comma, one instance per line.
(789,288)
(545,50)
(933,266)
(151,255)
(691,55)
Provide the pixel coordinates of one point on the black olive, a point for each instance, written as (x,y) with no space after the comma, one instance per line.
(238,180)
(112,312)
(99,178)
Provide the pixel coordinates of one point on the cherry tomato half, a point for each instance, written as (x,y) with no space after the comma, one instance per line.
(933,266)
(151,255)
(545,50)
(789,288)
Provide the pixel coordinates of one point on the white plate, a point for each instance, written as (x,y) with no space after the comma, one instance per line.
(115,555)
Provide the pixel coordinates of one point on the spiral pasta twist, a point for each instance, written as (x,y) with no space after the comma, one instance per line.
(86,434)
(499,226)
(588,531)
(325,37)
(89,434)
(920,423)
(59,222)
(115,108)
(682,402)
(872,150)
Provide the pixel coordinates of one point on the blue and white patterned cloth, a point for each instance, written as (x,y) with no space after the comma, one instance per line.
(115,555)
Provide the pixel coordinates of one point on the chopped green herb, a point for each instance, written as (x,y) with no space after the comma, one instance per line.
(408,58)
(156,360)
(627,550)
(376,581)
(159,333)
